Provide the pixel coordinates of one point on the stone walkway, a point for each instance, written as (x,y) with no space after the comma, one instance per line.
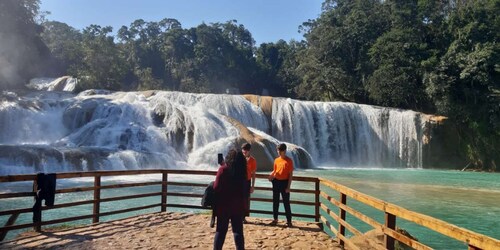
(171,230)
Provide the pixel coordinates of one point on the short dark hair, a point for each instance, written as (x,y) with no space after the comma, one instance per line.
(246,146)
(281,147)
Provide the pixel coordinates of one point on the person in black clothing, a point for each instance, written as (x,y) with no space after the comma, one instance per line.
(230,188)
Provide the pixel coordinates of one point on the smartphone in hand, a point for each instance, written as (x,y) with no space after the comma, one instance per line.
(220,159)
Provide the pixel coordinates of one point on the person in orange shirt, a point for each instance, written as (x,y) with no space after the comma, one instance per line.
(281,177)
(251,168)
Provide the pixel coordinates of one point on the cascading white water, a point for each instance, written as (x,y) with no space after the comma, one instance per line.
(56,131)
(349,134)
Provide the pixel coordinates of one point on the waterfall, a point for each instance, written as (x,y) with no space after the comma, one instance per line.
(349,134)
(102,130)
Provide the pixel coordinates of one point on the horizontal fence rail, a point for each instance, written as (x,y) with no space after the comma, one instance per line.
(164,192)
(392,212)
(326,207)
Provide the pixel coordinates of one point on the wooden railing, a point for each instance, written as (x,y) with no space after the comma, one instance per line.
(319,200)
(391,213)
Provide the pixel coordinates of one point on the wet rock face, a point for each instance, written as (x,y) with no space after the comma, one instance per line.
(442,144)
(45,159)
(79,113)
(264,149)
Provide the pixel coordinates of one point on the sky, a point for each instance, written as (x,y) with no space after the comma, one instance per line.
(267,20)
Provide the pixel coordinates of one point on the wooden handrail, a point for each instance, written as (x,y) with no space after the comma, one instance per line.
(473,239)
(391,211)
(164,193)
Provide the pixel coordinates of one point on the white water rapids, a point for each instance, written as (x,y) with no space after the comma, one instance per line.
(46,131)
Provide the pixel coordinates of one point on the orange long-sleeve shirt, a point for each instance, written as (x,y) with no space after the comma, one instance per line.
(282,168)
(251,167)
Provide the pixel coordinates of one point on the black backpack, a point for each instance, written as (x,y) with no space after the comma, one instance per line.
(208,199)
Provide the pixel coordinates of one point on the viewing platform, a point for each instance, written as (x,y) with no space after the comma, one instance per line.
(171,230)
(160,227)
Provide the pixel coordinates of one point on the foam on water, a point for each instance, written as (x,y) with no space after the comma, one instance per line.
(103,130)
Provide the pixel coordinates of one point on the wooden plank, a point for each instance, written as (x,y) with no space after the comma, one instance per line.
(108,173)
(164,190)
(452,231)
(185,195)
(82,217)
(18,194)
(404,239)
(12,219)
(375,224)
(69,204)
(62,205)
(343,200)
(138,184)
(15,227)
(368,200)
(186,184)
(38,225)
(13,211)
(352,211)
(329,225)
(307,203)
(97,199)
(191,172)
(16,178)
(311,216)
(339,236)
(390,222)
(130,197)
(187,206)
(123,185)
(304,191)
(294,178)
(129,209)
(317,201)
(340,221)
(73,190)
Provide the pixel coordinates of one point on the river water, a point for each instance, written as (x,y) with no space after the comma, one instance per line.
(467,199)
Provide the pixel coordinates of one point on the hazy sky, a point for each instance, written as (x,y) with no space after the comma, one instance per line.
(267,20)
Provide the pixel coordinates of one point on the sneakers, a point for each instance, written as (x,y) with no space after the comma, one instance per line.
(245,221)
(274,223)
(289,224)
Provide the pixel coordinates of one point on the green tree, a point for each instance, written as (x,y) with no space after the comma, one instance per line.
(103,64)
(336,64)
(22,52)
(397,55)
(466,80)
(278,64)
(64,43)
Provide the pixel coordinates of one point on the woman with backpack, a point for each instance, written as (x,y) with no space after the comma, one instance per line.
(230,188)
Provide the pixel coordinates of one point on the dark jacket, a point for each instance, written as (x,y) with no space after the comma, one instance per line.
(231,198)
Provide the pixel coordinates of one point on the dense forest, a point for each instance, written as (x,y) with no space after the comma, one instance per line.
(433,56)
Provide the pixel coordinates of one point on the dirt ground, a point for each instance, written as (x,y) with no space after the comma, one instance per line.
(171,230)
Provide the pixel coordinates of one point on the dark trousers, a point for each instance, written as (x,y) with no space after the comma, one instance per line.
(221,230)
(279,187)
(247,212)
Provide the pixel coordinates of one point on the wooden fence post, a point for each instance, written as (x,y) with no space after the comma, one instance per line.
(97,198)
(318,204)
(390,222)
(343,200)
(164,189)
(38,225)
